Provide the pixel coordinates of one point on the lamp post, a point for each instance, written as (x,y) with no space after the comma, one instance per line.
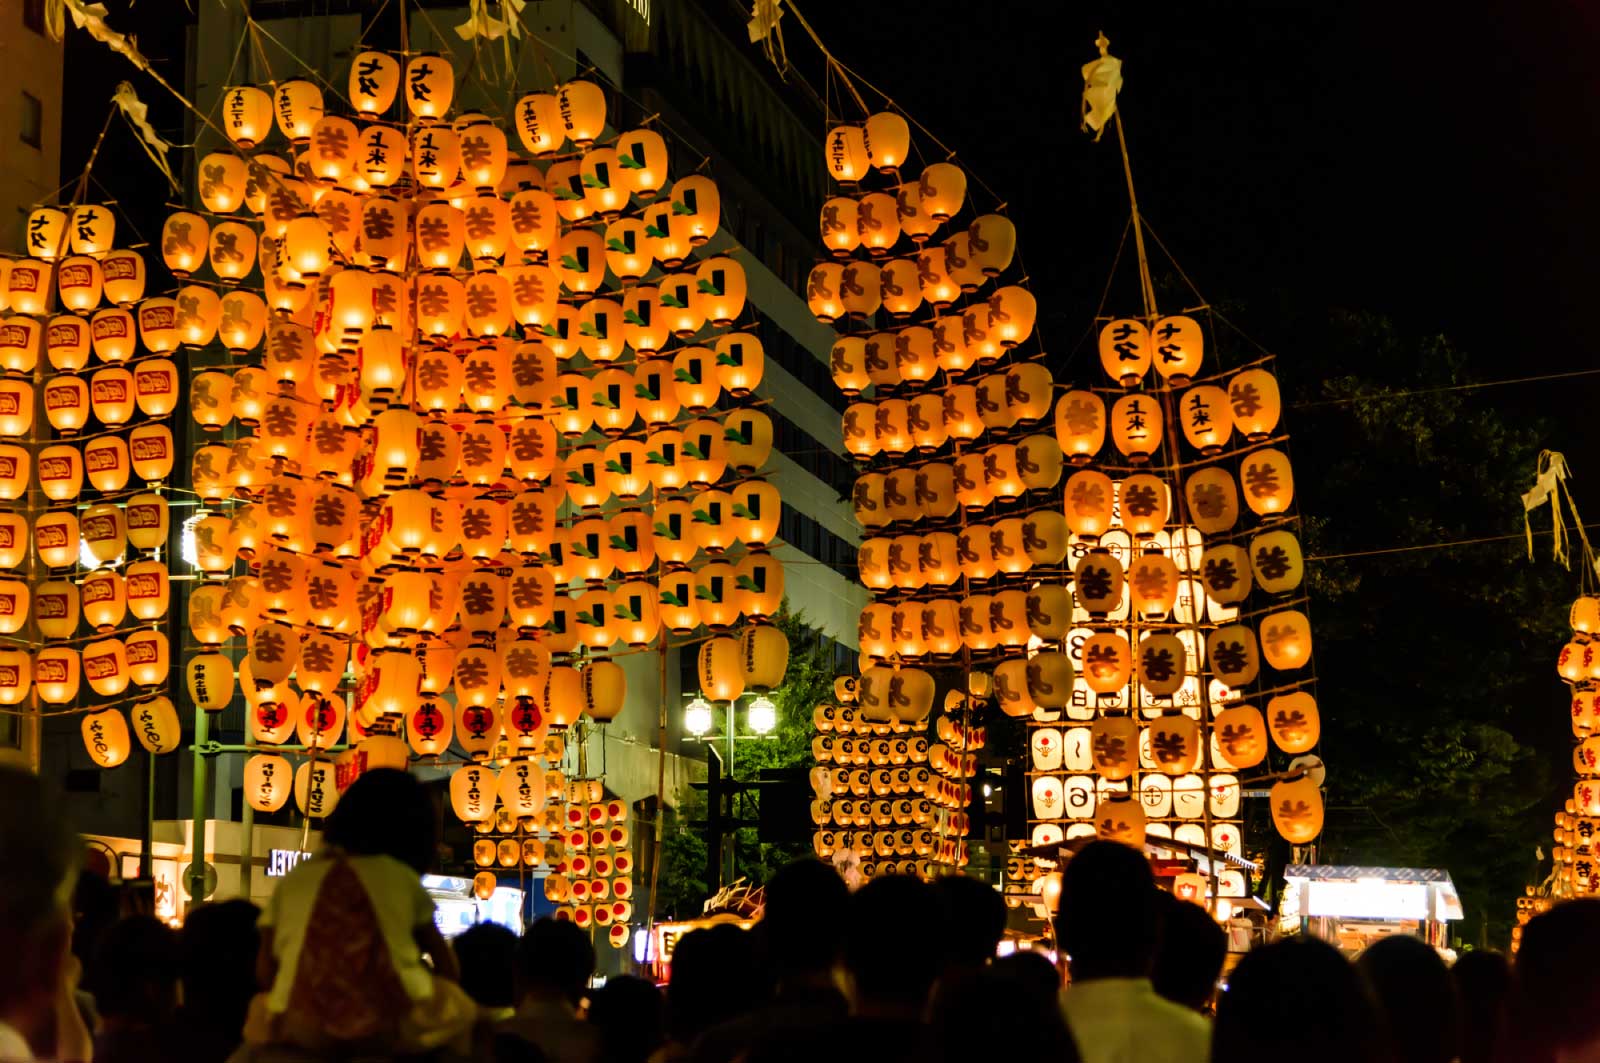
(761,718)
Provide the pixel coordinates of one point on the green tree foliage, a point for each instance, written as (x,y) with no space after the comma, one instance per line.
(808,680)
(1444,724)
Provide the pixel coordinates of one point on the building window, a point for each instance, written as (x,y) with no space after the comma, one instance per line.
(33,15)
(32,120)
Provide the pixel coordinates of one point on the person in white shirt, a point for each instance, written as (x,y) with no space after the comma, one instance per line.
(39,856)
(1109,926)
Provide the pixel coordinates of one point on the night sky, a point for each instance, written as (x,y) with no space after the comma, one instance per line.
(1432,163)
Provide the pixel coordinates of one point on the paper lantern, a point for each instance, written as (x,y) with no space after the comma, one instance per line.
(316,789)
(1295,724)
(105,667)
(1114,743)
(66,343)
(13,471)
(1050,679)
(1297,809)
(184,237)
(1276,560)
(374,79)
(720,669)
(1136,426)
(1241,734)
(105,532)
(1206,417)
(91,229)
(14,539)
(28,286)
(158,325)
(79,283)
(55,609)
(1178,346)
(209,677)
(105,737)
(148,589)
(563,696)
(1268,482)
(124,275)
(605,689)
(1213,500)
(149,658)
(156,725)
(1088,504)
(1125,351)
(696,209)
(267,779)
(14,600)
(246,115)
(1227,573)
(1106,665)
(56,674)
(111,395)
(105,462)
(60,472)
(1049,609)
(822,292)
(429,86)
(1233,654)
(1256,404)
(845,152)
(1286,639)
(66,404)
(1099,581)
(1144,505)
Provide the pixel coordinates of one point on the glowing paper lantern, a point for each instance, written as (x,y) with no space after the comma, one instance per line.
(105,737)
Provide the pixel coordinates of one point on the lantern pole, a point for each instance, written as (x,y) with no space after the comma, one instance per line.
(1146,289)
(661,784)
(197,841)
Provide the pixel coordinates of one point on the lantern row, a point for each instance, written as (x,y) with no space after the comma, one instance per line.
(904,815)
(1576,872)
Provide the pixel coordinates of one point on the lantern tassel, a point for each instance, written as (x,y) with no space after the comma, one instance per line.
(137,112)
(1550,474)
(1102,80)
(482,24)
(92,18)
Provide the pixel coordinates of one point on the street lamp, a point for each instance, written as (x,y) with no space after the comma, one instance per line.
(763,715)
(697,717)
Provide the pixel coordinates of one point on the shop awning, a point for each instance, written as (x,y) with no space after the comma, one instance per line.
(1391,893)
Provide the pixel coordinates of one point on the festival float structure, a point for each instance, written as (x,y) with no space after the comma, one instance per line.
(1113,561)
(478,421)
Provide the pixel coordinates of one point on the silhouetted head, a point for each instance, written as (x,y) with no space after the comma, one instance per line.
(893,947)
(386,812)
(1109,917)
(1483,986)
(1003,1012)
(1417,997)
(1189,955)
(219,942)
(803,920)
(136,971)
(1556,1005)
(1298,999)
(627,1012)
(487,953)
(714,979)
(39,857)
(977,919)
(1031,970)
(554,957)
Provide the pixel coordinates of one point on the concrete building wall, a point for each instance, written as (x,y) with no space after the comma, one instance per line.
(30,74)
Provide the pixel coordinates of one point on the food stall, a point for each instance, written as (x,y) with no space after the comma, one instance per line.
(1353,907)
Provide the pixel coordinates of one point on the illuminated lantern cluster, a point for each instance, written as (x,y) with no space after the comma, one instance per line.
(1578,665)
(86,627)
(489,419)
(1031,544)
(892,793)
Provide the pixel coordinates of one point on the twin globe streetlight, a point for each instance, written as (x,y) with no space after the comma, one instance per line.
(761,716)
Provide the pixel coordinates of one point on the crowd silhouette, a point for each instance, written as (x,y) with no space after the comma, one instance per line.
(345,963)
